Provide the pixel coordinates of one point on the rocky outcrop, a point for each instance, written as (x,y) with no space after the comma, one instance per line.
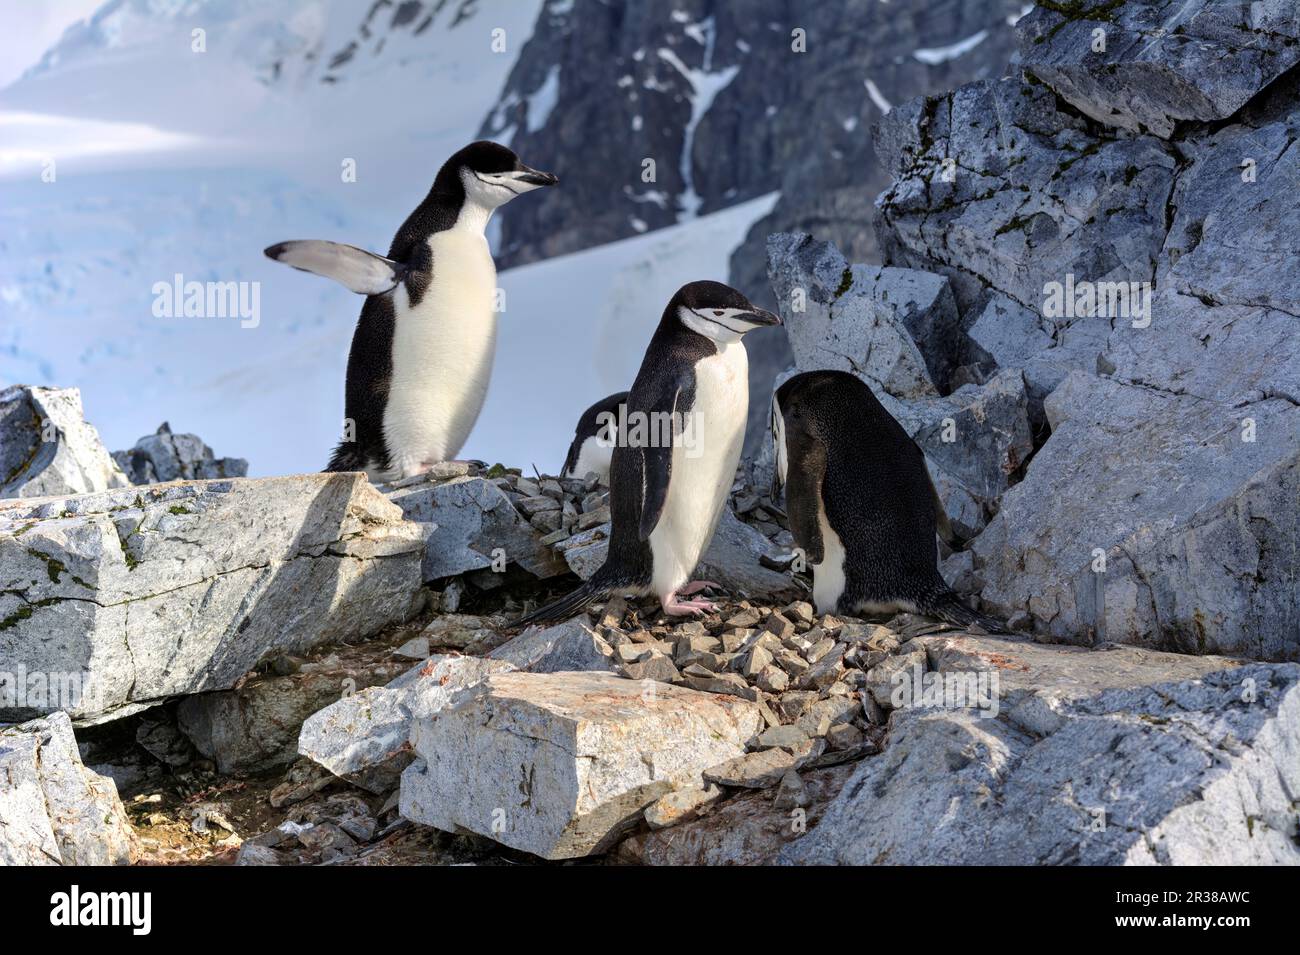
(113,601)
(53,810)
(48,448)
(1143,288)
(163,456)
(1148,67)
(561,764)
(571,645)
(1114,756)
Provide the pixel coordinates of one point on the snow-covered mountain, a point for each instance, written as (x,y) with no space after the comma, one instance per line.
(179,137)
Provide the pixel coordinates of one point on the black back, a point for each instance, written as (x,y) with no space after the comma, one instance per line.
(639,476)
(589,425)
(848,454)
(370,360)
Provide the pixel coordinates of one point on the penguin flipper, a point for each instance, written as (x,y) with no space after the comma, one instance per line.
(657,468)
(356,269)
(803,497)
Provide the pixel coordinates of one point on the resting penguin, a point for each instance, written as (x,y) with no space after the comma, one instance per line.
(860,501)
(593,440)
(422,351)
(668,487)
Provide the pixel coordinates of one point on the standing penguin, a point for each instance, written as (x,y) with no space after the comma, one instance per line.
(422,351)
(593,440)
(861,503)
(675,461)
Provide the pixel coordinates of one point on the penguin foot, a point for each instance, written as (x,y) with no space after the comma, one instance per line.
(675,607)
(695,586)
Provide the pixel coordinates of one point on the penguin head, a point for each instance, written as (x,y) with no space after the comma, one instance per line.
(491,174)
(718,311)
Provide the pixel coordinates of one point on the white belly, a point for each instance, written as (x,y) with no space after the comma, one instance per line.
(594,457)
(702,477)
(442,354)
(828,576)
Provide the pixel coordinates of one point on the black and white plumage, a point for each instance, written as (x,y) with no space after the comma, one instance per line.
(666,496)
(860,502)
(422,351)
(594,438)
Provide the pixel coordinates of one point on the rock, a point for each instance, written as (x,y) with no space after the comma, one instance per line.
(54,811)
(365,737)
(164,456)
(255,726)
(250,853)
(560,764)
(789,738)
(417,648)
(47,447)
(656,666)
(571,645)
(1146,519)
(1096,757)
(1164,63)
(868,320)
(476,524)
(680,806)
(461,631)
(132,595)
(757,770)
(1028,202)
(731,559)
(750,829)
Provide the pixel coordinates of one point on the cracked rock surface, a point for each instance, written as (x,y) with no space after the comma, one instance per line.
(139,594)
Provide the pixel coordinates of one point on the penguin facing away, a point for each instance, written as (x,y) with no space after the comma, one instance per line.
(675,460)
(422,351)
(594,439)
(861,503)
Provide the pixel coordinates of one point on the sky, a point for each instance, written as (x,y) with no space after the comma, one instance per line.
(31,27)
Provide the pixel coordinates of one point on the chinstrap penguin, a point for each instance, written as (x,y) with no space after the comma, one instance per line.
(594,439)
(860,502)
(422,350)
(675,460)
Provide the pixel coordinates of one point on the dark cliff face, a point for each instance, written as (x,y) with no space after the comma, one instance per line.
(714,93)
(602,86)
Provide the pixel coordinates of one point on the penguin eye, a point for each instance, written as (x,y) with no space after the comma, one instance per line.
(717,311)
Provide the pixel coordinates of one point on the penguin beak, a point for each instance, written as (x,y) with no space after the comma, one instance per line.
(760,316)
(535,177)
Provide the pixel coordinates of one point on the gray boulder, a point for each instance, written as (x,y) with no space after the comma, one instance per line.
(1164,62)
(365,737)
(571,645)
(1154,519)
(1115,756)
(116,600)
(562,764)
(476,527)
(892,327)
(53,810)
(48,448)
(164,456)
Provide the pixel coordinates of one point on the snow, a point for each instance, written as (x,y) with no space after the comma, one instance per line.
(942,54)
(877,97)
(198,173)
(543,101)
(705,86)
